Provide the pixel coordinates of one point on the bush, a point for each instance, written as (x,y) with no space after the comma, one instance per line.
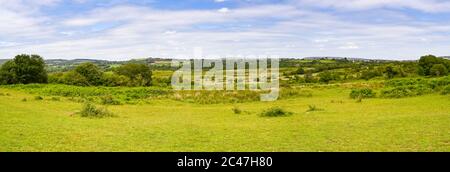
(414,87)
(275,112)
(109,100)
(446,90)
(55,99)
(405,91)
(367,75)
(91,111)
(38,98)
(438,70)
(312,108)
(362,93)
(236,110)
(24,99)
(327,77)
(139,74)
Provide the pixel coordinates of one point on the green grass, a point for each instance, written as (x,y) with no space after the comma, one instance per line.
(407,124)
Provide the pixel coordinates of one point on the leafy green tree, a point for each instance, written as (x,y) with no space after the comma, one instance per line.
(369,74)
(300,71)
(390,72)
(7,73)
(139,74)
(327,77)
(438,70)
(90,72)
(114,80)
(74,78)
(309,78)
(426,62)
(24,69)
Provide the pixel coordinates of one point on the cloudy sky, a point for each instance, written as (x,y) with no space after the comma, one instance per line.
(125,29)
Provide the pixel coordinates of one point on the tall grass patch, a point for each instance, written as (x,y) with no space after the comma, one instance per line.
(275,112)
(91,111)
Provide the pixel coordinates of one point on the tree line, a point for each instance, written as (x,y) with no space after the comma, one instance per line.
(345,70)
(26,69)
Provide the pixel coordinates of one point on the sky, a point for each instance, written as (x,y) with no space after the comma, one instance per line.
(128,29)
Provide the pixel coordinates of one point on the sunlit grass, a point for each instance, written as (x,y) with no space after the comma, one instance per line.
(407,124)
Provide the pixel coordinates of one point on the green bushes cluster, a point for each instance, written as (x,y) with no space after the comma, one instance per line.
(38,98)
(218,96)
(414,87)
(446,90)
(362,93)
(313,108)
(89,74)
(103,95)
(433,66)
(91,111)
(275,112)
(236,110)
(110,100)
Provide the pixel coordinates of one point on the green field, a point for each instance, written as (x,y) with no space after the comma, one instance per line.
(419,123)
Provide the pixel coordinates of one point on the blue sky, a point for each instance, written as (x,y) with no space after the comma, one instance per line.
(126,29)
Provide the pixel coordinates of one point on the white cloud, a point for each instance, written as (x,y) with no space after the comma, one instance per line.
(283,29)
(349,46)
(422,5)
(223,10)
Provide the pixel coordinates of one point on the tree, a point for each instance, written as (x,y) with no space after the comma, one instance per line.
(114,80)
(391,72)
(24,69)
(139,74)
(328,76)
(7,73)
(90,72)
(300,71)
(438,70)
(309,78)
(74,78)
(369,74)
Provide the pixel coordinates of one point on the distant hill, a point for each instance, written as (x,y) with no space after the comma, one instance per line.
(58,65)
(342,58)
(3,61)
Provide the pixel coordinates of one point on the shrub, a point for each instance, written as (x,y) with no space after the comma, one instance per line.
(55,99)
(38,98)
(5,94)
(109,100)
(367,75)
(405,91)
(24,99)
(91,111)
(438,70)
(362,93)
(446,90)
(312,108)
(275,112)
(139,74)
(327,77)
(91,73)
(236,110)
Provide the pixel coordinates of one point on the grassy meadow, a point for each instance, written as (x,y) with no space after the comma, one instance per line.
(32,119)
(324,105)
